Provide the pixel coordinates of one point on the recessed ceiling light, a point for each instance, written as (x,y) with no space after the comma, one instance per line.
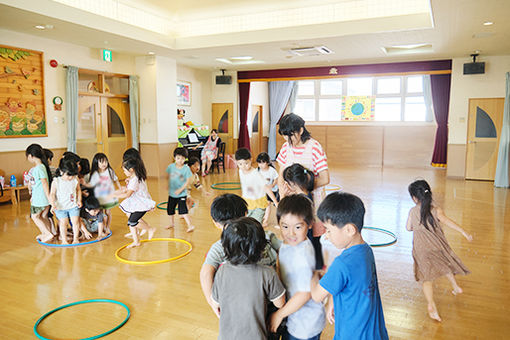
(40,27)
(488,23)
(151,53)
(241,58)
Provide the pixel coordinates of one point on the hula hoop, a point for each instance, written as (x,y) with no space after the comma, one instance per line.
(166,202)
(117,256)
(73,245)
(218,186)
(333,187)
(80,303)
(387,232)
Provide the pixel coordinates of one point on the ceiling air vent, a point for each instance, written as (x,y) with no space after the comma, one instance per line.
(310,51)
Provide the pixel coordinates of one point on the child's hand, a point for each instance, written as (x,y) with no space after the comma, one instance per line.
(330,311)
(79,204)
(274,322)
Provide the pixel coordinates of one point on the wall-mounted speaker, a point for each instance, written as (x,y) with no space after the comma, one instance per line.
(223,80)
(474,68)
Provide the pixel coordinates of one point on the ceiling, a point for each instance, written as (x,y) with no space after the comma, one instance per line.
(453,28)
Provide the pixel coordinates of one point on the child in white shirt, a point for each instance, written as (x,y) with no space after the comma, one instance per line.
(271,176)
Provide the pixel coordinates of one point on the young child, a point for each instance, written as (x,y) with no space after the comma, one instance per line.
(137,199)
(352,278)
(432,254)
(133,153)
(223,209)
(300,180)
(66,199)
(242,288)
(102,179)
(93,218)
(179,178)
(39,188)
(194,166)
(306,318)
(270,174)
(253,186)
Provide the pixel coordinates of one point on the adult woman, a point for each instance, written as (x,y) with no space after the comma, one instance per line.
(209,152)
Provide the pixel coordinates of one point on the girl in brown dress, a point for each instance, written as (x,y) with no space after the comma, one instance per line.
(432,254)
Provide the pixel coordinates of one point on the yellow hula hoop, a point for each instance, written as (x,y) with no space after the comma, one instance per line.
(117,256)
(333,187)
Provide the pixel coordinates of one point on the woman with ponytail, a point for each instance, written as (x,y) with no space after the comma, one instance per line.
(39,188)
(432,254)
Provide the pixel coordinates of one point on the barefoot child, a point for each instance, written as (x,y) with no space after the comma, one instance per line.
(137,199)
(66,199)
(39,188)
(432,254)
(242,288)
(351,280)
(102,179)
(270,174)
(305,317)
(92,217)
(179,178)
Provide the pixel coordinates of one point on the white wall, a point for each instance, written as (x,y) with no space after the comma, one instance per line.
(166,99)
(146,70)
(488,85)
(227,94)
(199,112)
(259,96)
(54,81)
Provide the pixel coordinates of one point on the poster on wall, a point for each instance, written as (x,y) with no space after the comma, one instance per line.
(22,109)
(358,108)
(183,93)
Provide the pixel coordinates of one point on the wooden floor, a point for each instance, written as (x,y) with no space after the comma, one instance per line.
(166,301)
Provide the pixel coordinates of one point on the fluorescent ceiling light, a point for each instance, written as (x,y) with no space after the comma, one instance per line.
(239,62)
(150,53)
(488,23)
(408,49)
(40,27)
(241,58)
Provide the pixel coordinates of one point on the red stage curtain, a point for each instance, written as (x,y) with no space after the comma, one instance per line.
(244,98)
(440,88)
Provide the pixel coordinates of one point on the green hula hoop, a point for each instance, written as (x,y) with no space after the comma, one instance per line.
(218,186)
(387,232)
(159,206)
(80,303)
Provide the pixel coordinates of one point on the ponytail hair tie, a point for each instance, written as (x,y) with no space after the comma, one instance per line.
(305,171)
(426,190)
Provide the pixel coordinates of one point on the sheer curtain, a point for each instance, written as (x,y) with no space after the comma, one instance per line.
(279,94)
(71,106)
(502,177)
(134,112)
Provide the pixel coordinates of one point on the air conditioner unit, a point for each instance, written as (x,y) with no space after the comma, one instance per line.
(310,51)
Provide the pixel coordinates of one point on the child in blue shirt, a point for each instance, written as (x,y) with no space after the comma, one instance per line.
(179,178)
(351,279)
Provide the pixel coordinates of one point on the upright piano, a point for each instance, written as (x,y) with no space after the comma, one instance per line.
(191,140)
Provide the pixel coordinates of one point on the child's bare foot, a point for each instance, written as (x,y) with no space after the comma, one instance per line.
(46,238)
(132,245)
(190,229)
(76,241)
(39,237)
(64,241)
(457,290)
(128,235)
(142,232)
(169,227)
(433,313)
(151,233)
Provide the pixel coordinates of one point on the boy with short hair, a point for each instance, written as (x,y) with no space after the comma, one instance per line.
(306,318)
(179,178)
(351,279)
(253,186)
(242,287)
(92,217)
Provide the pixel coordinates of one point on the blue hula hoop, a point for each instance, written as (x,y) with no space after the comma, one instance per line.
(215,186)
(387,232)
(80,303)
(159,206)
(73,245)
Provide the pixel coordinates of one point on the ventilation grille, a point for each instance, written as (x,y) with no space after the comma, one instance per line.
(310,51)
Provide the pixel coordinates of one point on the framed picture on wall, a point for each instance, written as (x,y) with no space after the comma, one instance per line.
(22,109)
(183,93)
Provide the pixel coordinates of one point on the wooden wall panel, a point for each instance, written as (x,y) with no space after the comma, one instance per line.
(360,145)
(456,161)
(15,162)
(318,133)
(408,146)
(157,157)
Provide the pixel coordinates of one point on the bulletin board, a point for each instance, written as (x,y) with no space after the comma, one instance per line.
(22,109)
(358,107)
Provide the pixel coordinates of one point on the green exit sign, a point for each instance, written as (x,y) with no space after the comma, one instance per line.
(107,55)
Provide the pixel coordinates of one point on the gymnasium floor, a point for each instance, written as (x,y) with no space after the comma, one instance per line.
(166,301)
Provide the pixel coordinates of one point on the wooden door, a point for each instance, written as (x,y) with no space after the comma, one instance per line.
(256,130)
(222,120)
(88,131)
(116,130)
(484,127)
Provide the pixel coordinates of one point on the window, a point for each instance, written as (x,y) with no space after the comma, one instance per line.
(397,98)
